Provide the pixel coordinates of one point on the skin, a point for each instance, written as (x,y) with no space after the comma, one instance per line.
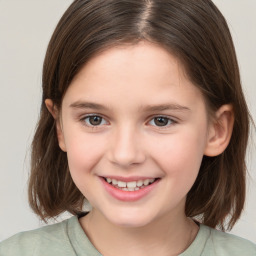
(127,82)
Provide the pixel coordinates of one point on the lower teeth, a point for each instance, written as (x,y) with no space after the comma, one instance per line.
(127,189)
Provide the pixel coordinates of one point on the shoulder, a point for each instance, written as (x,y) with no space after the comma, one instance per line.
(222,243)
(49,240)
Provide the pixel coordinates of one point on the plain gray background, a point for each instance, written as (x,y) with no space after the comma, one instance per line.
(25,29)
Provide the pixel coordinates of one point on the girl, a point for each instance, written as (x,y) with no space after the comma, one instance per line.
(143,115)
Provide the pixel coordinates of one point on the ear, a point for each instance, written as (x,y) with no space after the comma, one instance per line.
(220,131)
(55,113)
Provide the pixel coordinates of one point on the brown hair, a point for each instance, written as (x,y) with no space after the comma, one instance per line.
(197,33)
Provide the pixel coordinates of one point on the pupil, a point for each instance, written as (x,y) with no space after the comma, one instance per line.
(161,121)
(95,120)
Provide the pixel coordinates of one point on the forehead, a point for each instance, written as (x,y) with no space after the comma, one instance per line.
(138,73)
(140,58)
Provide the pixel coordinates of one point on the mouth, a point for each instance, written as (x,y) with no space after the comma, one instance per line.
(129,189)
(130,185)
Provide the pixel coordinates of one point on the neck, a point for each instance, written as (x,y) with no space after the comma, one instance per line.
(169,236)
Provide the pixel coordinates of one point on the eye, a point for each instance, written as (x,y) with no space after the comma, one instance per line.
(94,120)
(161,121)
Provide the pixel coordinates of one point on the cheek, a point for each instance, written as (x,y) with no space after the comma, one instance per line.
(83,153)
(180,156)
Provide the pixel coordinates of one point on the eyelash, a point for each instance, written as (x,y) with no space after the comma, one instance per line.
(169,120)
(92,116)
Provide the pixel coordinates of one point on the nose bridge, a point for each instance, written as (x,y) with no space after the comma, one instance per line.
(126,146)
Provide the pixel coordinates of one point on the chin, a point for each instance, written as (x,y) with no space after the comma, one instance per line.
(130,220)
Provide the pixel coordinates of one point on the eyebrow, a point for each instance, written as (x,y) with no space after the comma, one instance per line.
(85,105)
(163,107)
(148,108)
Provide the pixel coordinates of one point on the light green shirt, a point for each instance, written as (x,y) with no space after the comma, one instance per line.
(68,239)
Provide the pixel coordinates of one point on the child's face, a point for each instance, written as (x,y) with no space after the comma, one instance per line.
(131,114)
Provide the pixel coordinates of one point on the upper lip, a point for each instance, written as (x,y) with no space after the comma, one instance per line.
(127,179)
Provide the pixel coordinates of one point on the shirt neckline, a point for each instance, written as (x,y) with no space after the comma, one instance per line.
(81,243)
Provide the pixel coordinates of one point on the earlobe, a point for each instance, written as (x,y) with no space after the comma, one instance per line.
(220,131)
(55,113)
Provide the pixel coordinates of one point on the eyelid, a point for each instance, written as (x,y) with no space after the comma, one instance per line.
(173,121)
(82,119)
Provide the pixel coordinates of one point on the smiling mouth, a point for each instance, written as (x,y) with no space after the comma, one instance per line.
(131,185)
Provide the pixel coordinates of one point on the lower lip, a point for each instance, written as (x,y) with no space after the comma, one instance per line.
(128,196)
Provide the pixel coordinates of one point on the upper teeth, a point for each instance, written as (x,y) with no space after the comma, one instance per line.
(130,184)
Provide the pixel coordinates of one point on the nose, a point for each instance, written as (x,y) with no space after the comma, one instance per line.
(126,148)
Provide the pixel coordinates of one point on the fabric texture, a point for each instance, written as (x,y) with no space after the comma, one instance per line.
(67,238)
